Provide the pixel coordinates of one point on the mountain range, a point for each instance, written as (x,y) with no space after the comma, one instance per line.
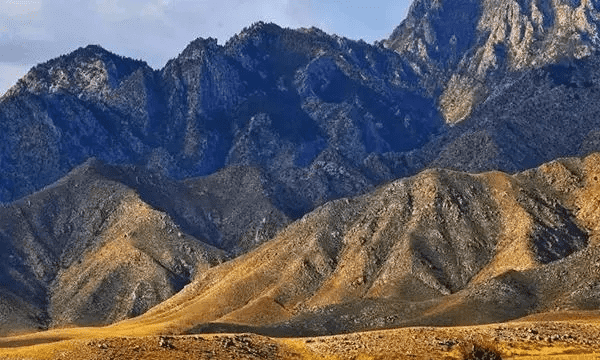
(281,181)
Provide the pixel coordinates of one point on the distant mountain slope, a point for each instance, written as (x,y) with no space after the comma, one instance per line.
(315,112)
(319,116)
(439,248)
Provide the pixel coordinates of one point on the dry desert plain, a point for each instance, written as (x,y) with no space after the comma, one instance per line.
(566,335)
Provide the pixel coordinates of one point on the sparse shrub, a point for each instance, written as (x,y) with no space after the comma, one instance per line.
(479,351)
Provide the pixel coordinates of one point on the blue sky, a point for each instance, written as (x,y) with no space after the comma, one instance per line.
(33,31)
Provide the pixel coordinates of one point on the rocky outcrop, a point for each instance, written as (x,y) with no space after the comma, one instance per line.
(462,47)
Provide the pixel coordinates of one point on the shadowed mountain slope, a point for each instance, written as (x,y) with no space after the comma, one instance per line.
(439,248)
(231,209)
(318,116)
(89,250)
(532,117)
(311,110)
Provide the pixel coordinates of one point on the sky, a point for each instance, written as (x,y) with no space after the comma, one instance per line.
(34,31)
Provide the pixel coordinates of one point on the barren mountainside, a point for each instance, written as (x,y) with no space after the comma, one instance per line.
(321,116)
(439,248)
(106,243)
(89,250)
(295,182)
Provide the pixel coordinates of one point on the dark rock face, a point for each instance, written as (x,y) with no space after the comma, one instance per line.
(321,116)
(313,111)
(534,117)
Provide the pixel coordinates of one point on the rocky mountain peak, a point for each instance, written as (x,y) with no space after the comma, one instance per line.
(258,30)
(461,43)
(92,70)
(255,40)
(197,48)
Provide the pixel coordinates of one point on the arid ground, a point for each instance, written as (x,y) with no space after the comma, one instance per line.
(567,335)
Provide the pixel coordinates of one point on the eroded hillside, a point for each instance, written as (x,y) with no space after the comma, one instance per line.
(439,248)
(107,243)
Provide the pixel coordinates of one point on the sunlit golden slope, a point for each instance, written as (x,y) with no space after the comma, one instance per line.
(140,260)
(572,335)
(440,248)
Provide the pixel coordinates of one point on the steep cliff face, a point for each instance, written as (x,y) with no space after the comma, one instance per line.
(462,46)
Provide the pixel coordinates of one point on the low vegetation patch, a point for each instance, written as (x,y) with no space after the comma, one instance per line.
(479,351)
